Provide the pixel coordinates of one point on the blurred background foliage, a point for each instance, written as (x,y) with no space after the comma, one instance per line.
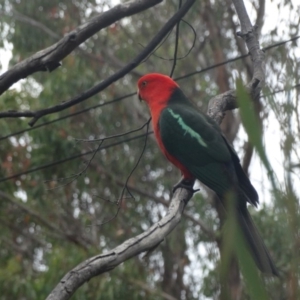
(50,223)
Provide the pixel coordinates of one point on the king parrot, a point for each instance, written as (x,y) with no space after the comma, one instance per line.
(193,142)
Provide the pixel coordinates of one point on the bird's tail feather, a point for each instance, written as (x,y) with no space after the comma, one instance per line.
(255,243)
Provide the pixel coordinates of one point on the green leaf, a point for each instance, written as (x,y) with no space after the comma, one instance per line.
(252,127)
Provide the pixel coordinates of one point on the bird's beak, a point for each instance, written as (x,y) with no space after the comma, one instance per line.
(140,98)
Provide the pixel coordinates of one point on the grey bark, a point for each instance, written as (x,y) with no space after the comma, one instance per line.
(105,262)
(109,80)
(49,58)
(227,101)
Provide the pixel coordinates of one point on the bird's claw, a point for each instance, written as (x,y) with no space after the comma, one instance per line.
(186,184)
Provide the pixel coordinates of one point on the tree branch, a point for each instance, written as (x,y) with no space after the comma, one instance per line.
(156,233)
(114,61)
(49,58)
(239,42)
(260,15)
(227,101)
(25,19)
(130,248)
(106,82)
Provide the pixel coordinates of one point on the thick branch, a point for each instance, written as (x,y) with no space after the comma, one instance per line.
(34,23)
(49,58)
(260,15)
(239,42)
(106,82)
(130,248)
(227,101)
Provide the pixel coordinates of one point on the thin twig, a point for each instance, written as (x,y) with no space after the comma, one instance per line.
(73,177)
(208,232)
(67,116)
(17,114)
(189,51)
(55,163)
(176,44)
(125,187)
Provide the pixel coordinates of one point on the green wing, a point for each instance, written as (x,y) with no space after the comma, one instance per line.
(189,137)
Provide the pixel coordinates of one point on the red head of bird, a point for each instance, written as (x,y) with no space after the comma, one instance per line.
(155,89)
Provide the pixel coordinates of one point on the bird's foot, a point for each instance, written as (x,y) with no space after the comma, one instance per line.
(185,184)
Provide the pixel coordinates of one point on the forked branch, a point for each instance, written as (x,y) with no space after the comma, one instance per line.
(227,101)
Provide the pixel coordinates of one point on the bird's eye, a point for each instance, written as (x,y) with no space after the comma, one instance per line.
(144,83)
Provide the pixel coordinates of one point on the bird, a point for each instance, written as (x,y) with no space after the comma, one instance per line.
(194,143)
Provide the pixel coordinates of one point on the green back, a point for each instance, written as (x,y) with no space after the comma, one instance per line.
(197,142)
